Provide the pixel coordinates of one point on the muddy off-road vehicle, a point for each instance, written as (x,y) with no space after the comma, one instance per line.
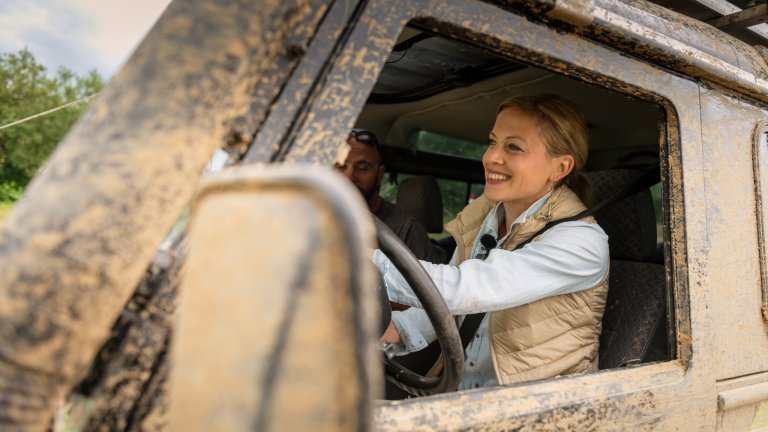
(261,310)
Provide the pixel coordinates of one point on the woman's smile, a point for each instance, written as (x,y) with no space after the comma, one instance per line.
(496,178)
(518,166)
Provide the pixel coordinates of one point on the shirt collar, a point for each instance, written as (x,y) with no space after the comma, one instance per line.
(491,222)
(497,213)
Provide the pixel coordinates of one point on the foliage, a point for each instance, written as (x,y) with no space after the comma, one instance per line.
(455,194)
(26,89)
(435,143)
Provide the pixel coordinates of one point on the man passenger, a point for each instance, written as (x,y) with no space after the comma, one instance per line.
(364,169)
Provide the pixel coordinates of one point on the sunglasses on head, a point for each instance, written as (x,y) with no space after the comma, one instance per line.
(364,136)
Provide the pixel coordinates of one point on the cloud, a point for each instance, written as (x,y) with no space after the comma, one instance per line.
(121,25)
(78,34)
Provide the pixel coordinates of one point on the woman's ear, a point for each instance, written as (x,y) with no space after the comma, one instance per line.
(563,167)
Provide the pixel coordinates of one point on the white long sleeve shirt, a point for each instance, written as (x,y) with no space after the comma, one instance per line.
(569,257)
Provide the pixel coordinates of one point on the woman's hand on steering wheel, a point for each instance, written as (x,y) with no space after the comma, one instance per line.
(391,334)
(437,311)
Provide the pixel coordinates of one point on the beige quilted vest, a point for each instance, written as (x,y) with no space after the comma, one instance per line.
(553,336)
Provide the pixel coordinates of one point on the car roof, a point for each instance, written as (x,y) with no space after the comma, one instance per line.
(449,87)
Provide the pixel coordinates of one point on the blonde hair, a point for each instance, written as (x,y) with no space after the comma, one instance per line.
(564,130)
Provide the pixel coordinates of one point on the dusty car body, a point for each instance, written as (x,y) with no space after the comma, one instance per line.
(276,327)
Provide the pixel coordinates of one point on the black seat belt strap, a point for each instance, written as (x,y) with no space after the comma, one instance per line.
(472,322)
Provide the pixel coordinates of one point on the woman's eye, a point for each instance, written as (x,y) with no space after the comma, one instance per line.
(513,147)
(491,142)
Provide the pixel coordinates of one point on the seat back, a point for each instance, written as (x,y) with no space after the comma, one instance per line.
(634,322)
(420,197)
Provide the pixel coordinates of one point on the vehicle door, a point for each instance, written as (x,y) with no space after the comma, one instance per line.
(735,160)
(666,395)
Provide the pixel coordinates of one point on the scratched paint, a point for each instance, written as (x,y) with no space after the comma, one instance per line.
(211,75)
(77,244)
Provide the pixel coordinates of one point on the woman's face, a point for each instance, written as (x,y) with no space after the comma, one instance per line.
(518,166)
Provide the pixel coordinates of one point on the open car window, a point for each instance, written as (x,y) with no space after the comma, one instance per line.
(433,106)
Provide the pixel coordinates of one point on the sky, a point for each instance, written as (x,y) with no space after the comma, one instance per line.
(78,34)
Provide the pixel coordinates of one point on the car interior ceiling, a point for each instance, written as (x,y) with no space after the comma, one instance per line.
(451,89)
(623,131)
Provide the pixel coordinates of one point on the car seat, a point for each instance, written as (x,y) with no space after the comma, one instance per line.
(635,322)
(420,197)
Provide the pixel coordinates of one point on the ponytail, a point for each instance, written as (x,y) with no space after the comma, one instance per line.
(581,186)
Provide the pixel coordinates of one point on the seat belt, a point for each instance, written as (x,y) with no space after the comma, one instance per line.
(472,322)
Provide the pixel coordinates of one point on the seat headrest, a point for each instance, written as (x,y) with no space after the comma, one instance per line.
(420,197)
(631,222)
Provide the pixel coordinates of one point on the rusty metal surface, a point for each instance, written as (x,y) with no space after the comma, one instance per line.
(596,402)
(682,44)
(278,337)
(270,143)
(733,256)
(662,36)
(261,132)
(740,407)
(213,74)
(651,20)
(127,387)
(569,54)
(747,18)
(77,243)
(760,166)
(576,12)
(324,126)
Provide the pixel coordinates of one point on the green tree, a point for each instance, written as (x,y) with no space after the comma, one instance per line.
(26,89)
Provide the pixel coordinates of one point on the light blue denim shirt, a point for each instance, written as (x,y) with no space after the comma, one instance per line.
(569,257)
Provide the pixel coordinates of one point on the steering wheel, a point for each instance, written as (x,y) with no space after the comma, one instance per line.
(445,326)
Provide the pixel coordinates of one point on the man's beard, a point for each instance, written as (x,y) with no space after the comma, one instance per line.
(370,193)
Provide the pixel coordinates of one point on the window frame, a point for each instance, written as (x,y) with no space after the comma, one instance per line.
(760,160)
(514,36)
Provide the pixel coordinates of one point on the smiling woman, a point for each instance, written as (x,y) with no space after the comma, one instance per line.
(536,143)
(508,269)
(547,135)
